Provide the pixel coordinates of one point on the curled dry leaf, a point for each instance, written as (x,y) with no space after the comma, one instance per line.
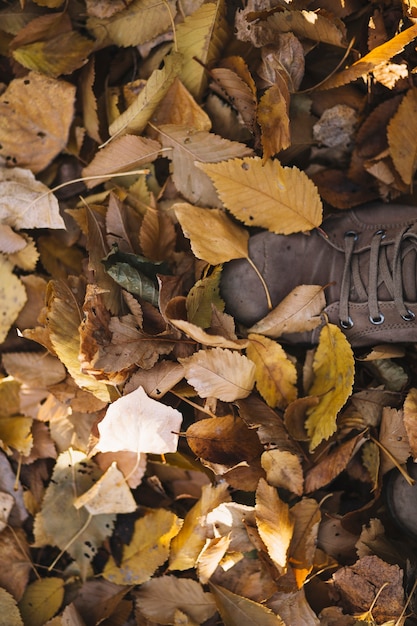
(410,419)
(282,199)
(220,373)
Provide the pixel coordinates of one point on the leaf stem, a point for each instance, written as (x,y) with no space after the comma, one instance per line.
(261,278)
(71,541)
(392,458)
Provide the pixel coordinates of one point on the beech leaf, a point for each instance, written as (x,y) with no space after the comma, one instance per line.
(297,312)
(401,131)
(281,199)
(148,549)
(213,236)
(138,423)
(35,117)
(334,370)
(275,374)
(220,373)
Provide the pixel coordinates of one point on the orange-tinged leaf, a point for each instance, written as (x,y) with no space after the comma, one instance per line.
(213,236)
(401,132)
(283,469)
(307,516)
(41,600)
(220,373)
(296,313)
(35,116)
(377,56)
(274,122)
(275,374)
(189,542)
(334,370)
(237,610)
(202,36)
(148,549)
(282,199)
(274,522)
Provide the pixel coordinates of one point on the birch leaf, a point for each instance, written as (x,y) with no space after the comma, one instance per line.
(189,542)
(191,147)
(274,523)
(110,494)
(334,370)
(148,549)
(12,297)
(138,423)
(281,199)
(220,373)
(377,56)
(35,117)
(401,132)
(275,374)
(160,599)
(297,312)
(41,600)
(213,236)
(202,36)
(138,114)
(10,614)
(121,155)
(236,610)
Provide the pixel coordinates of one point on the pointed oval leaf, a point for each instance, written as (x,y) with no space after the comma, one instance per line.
(236,610)
(41,600)
(282,199)
(402,130)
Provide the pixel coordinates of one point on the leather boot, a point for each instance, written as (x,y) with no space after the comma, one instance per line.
(366,258)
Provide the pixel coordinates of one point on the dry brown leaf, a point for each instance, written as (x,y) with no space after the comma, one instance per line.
(283,469)
(179,108)
(401,132)
(332,465)
(15,558)
(35,117)
(157,381)
(282,199)
(307,516)
(269,425)
(275,374)
(219,373)
(274,121)
(393,438)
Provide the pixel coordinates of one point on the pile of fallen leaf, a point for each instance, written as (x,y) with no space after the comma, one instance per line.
(159,464)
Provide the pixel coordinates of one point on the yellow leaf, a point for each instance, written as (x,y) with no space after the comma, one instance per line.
(12,297)
(202,36)
(275,374)
(274,122)
(110,494)
(191,147)
(148,549)
(26,202)
(402,131)
(220,373)
(274,523)
(380,54)
(41,600)
(282,199)
(179,108)
(189,542)
(237,610)
(35,116)
(138,114)
(283,469)
(9,614)
(334,370)
(15,432)
(140,22)
(121,155)
(213,236)
(296,313)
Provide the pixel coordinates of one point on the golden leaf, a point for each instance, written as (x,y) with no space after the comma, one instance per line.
(15,432)
(310,25)
(12,297)
(35,116)
(202,36)
(190,540)
(274,122)
(121,155)
(283,469)
(377,56)
(138,114)
(282,199)
(41,600)
(179,108)
(274,523)
(148,549)
(275,374)
(401,131)
(306,515)
(296,313)
(213,236)
(220,373)
(334,370)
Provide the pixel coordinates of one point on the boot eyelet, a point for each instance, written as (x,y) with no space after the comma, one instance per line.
(381,232)
(346,324)
(409,316)
(377,320)
(351,233)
